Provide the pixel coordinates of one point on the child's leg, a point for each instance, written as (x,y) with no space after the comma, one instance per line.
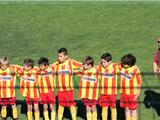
(134,114)
(29,113)
(114,113)
(4,112)
(14,111)
(36,111)
(104,113)
(128,114)
(94,112)
(45,110)
(113,106)
(73,112)
(53,114)
(60,112)
(88,109)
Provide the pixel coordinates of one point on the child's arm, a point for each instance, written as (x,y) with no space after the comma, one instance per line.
(139,81)
(55,76)
(78,72)
(138,91)
(15,70)
(75,64)
(155,69)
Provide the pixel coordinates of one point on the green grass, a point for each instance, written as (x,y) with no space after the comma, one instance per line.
(35,29)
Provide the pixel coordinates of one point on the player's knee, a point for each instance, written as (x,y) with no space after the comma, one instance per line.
(4,107)
(14,106)
(52,108)
(45,107)
(127,111)
(134,113)
(88,109)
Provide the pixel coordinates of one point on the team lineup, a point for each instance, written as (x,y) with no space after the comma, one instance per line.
(98,86)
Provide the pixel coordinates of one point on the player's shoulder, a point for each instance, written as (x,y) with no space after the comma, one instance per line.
(136,67)
(97,66)
(35,68)
(15,66)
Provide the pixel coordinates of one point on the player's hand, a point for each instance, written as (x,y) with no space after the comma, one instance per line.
(157,74)
(81,69)
(136,97)
(12,72)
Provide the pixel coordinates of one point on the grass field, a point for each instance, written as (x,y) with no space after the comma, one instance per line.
(35,29)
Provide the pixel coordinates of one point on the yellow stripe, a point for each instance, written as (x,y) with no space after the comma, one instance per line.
(102,84)
(31,89)
(66,77)
(84,83)
(91,90)
(102,81)
(97,91)
(135,84)
(110,83)
(45,85)
(60,83)
(127,87)
(51,80)
(8,93)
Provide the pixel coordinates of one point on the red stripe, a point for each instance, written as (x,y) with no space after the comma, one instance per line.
(28,86)
(131,83)
(87,87)
(12,86)
(106,83)
(63,79)
(12,83)
(57,76)
(123,84)
(35,90)
(70,75)
(95,87)
(100,70)
(131,87)
(41,85)
(4,87)
(22,84)
(22,87)
(48,83)
(28,90)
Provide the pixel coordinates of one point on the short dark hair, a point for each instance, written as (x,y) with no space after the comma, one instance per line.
(88,60)
(63,50)
(29,62)
(43,61)
(129,60)
(107,57)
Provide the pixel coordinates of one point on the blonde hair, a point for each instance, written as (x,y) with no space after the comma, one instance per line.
(4,60)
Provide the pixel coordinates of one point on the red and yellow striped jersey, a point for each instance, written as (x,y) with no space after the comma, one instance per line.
(8,81)
(46,80)
(29,83)
(130,79)
(108,76)
(89,84)
(65,74)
